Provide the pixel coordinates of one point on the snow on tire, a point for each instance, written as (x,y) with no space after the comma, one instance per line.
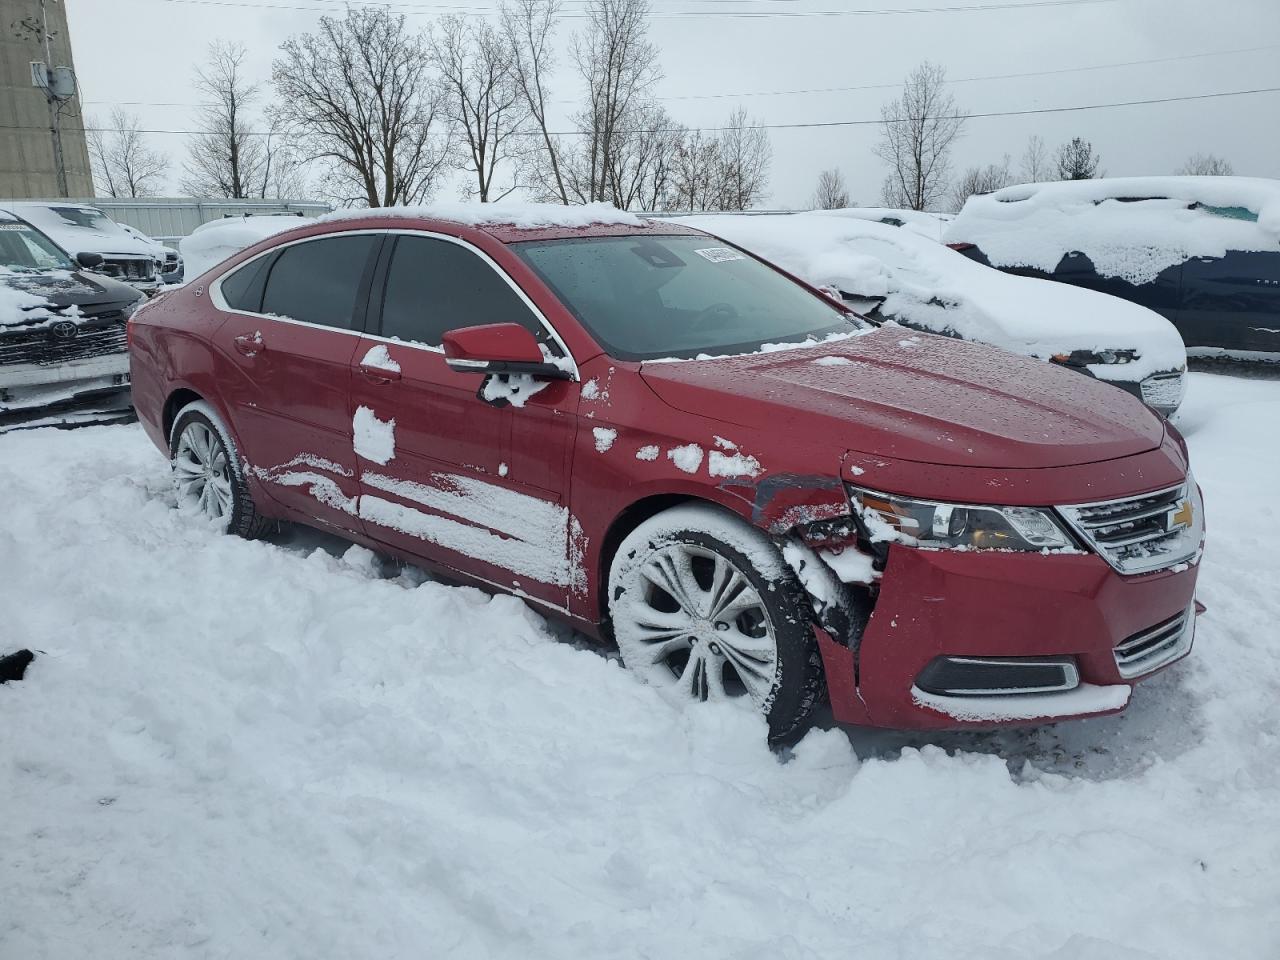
(208,478)
(704,608)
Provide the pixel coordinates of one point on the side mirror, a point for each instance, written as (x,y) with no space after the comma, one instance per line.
(499,348)
(89,260)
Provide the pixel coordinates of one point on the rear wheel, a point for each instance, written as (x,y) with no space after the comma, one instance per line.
(704,608)
(207,475)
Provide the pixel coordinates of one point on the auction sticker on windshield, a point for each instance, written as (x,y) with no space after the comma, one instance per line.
(719,254)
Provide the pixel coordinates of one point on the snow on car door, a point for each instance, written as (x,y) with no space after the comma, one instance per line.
(432,451)
(289,340)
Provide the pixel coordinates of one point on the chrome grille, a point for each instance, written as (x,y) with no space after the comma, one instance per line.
(1153,648)
(1144,533)
(129,268)
(45,348)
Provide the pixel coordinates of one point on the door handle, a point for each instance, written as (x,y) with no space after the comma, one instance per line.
(379,374)
(250,344)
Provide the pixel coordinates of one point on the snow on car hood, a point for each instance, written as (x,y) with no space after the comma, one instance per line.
(76,238)
(1130,227)
(930,286)
(917,397)
(211,243)
(17,303)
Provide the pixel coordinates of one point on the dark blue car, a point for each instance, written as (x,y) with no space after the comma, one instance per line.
(1202,251)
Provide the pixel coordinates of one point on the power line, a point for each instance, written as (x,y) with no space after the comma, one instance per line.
(865,86)
(421,9)
(821,123)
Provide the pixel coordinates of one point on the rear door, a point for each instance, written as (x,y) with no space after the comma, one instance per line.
(1232,303)
(437,474)
(294,325)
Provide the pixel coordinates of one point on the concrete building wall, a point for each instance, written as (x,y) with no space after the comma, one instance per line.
(26,146)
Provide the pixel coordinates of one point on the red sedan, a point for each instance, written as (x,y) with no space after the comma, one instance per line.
(671,443)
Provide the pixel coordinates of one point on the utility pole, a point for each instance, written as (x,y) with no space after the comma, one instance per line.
(59,86)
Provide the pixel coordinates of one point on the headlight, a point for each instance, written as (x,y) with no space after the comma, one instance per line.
(924,523)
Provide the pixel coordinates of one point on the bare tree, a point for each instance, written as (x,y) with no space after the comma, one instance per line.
(529,26)
(697,164)
(745,155)
(642,175)
(360,96)
(981,180)
(1206,165)
(918,130)
(483,100)
(1077,161)
(1036,165)
(618,66)
(832,194)
(225,159)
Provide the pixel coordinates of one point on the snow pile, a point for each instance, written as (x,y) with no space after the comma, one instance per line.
(928,286)
(517,214)
(211,243)
(1131,228)
(929,225)
(269,750)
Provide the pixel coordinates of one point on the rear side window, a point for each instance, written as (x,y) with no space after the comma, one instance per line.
(242,288)
(434,286)
(318,281)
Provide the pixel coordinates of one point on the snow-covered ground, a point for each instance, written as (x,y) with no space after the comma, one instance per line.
(288,750)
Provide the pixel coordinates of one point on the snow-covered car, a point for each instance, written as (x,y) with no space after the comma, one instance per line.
(81,229)
(931,225)
(171,272)
(211,243)
(1202,251)
(889,273)
(63,351)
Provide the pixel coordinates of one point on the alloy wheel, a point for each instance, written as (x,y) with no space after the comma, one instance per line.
(697,627)
(202,473)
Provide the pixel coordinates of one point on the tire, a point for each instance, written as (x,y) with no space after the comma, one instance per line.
(208,473)
(704,607)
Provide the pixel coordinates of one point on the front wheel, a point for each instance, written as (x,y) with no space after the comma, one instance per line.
(704,608)
(206,473)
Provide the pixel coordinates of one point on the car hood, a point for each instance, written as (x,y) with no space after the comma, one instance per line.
(918,397)
(108,244)
(36,293)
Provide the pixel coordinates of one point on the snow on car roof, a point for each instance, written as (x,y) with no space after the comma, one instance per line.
(931,225)
(1130,227)
(211,243)
(927,285)
(524,216)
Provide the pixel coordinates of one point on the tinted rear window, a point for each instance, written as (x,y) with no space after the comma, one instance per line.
(318,280)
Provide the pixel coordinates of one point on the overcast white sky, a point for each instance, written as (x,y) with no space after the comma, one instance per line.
(141,53)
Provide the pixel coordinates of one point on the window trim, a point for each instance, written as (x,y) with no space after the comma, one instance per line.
(379,277)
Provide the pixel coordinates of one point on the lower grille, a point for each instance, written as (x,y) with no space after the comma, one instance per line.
(1153,648)
(46,349)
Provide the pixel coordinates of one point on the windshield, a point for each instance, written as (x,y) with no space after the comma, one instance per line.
(644,298)
(22,247)
(87,218)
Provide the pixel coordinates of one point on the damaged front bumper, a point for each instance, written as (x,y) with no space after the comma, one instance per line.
(76,391)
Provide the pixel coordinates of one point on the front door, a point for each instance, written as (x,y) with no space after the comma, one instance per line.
(290,337)
(433,446)
(1232,303)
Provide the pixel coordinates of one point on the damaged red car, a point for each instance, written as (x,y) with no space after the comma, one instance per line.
(673,444)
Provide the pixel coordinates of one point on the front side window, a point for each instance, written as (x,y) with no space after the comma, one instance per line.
(434,286)
(318,281)
(22,247)
(648,297)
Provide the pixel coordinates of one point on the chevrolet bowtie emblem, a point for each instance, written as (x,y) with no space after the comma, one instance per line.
(1183,515)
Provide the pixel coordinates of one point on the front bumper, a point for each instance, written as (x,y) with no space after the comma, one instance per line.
(26,388)
(943,603)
